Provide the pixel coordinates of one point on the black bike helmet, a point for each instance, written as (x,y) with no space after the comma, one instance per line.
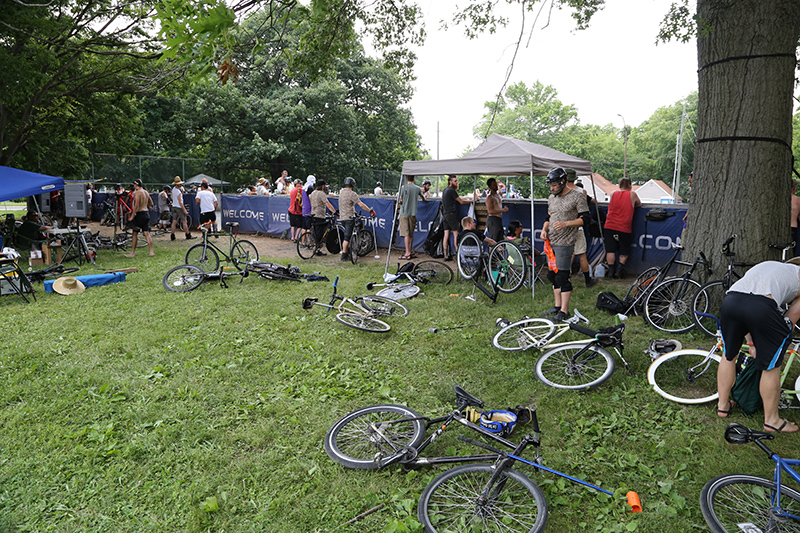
(426,182)
(349,182)
(378,184)
(557,175)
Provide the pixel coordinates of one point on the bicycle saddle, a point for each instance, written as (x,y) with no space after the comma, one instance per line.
(739,434)
(463,396)
(308,303)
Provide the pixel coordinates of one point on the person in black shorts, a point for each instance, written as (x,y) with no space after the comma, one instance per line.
(140,217)
(451,222)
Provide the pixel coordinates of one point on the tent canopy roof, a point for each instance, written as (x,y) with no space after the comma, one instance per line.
(197,180)
(15,183)
(500,155)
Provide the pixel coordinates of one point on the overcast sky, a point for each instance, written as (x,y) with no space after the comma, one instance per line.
(613,68)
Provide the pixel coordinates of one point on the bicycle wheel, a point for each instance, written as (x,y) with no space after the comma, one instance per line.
(359,438)
(524,334)
(685,376)
(353,249)
(454,501)
(203,256)
(399,292)
(333,239)
(642,284)
(469,256)
(431,271)
(507,266)
(364,323)
(307,245)
(741,502)
(574,366)
(382,306)
(183,278)
(366,242)
(668,307)
(242,253)
(708,299)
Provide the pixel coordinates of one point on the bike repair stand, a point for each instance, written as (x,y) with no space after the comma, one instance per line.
(492,294)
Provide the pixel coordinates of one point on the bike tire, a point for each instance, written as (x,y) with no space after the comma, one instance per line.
(524,334)
(351,443)
(204,257)
(558,368)
(307,245)
(453,502)
(242,253)
(333,240)
(673,376)
(708,299)
(183,278)
(382,306)
(668,307)
(432,271)
(469,256)
(399,292)
(797,388)
(507,266)
(353,249)
(366,242)
(363,323)
(732,500)
(642,283)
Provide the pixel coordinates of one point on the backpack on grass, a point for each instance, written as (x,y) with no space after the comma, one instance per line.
(608,301)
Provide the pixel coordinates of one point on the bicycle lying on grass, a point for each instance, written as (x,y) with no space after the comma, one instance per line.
(742,502)
(362,313)
(488,496)
(185,278)
(572,365)
(405,283)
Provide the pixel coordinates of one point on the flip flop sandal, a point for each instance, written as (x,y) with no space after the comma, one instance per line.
(405,257)
(731,405)
(773,429)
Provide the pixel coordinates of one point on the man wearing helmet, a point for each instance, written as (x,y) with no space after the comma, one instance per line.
(567,212)
(347,212)
(407,196)
(378,189)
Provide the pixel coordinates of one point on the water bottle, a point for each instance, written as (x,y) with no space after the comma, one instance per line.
(599,271)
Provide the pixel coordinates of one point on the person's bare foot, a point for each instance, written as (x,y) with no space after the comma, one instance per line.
(129,255)
(152,254)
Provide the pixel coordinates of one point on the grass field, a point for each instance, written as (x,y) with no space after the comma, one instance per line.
(130,408)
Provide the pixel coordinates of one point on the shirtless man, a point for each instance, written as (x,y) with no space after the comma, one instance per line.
(140,217)
(495,210)
(795,215)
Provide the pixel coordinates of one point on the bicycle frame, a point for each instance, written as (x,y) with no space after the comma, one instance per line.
(663,272)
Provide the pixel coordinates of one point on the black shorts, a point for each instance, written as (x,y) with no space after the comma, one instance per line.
(494,228)
(617,241)
(306,222)
(451,222)
(758,315)
(141,221)
(296,221)
(348,228)
(211,216)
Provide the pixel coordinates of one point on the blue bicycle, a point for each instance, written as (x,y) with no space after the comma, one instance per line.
(741,502)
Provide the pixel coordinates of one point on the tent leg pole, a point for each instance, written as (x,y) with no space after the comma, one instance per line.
(533,238)
(391,236)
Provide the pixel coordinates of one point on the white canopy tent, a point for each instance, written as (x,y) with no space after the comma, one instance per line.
(502,156)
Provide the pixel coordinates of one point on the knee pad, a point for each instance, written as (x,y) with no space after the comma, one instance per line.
(551,277)
(562,281)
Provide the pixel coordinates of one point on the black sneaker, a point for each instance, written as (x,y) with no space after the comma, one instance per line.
(591,282)
(172,237)
(189,237)
(560,316)
(320,253)
(345,257)
(551,311)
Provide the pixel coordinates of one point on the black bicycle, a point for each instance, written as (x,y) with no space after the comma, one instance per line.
(668,305)
(332,234)
(488,496)
(185,278)
(206,254)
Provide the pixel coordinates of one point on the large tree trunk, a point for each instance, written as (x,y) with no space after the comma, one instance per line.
(743,185)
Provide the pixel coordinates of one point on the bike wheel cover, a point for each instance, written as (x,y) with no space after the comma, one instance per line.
(183,278)
(733,499)
(668,307)
(708,299)
(363,323)
(563,368)
(432,271)
(366,242)
(333,240)
(400,292)
(242,253)
(524,334)
(451,502)
(351,441)
(205,258)
(469,256)
(507,266)
(383,306)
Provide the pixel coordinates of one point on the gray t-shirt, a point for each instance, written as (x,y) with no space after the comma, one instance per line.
(409,194)
(781,281)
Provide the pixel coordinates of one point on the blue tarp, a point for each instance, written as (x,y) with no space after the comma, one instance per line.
(15,183)
(92,280)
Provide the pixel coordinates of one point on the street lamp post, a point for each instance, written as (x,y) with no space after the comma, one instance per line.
(625,156)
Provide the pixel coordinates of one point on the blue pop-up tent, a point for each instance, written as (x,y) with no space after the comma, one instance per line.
(15,183)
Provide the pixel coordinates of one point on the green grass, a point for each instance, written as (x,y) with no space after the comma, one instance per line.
(130,408)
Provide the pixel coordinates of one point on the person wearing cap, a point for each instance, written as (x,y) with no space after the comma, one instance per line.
(140,217)
(426,189)
(296,210)
(580,241)
(752,311)
(348,199)
(407,221)
(319,203)
(179,211)
(261,189)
